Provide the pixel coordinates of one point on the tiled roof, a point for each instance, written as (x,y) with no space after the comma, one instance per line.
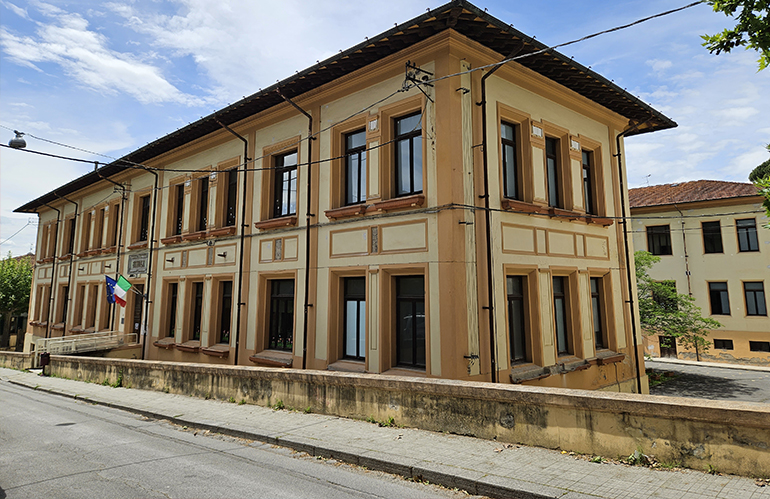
(689,192)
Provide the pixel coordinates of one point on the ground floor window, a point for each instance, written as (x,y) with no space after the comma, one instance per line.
(197,318)
(600,340)
(173,298)
(410,321)
(723,344)
(281,325)
(354,321)
(759,346)
(561,319)
(516,318)
(225,310)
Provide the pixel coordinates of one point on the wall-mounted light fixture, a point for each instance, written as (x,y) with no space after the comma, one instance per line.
(18,142)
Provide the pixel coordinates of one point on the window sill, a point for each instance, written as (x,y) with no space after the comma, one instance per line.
(65,257)
(91,329)
(45,260)
(76,330)
(58,327)
(192,346)
(221,350)
(405,371)
(110,250)
(523,207)
(348,366)
(137,245)
(93,252)
(81,254)
(528,372)
(275,223)
(171,240)
(167,343)
(345,211)
(272,358)
(400,203)
(570,363)
(565,214)
(221,232)
(34,323)
(193,236)
(604,222)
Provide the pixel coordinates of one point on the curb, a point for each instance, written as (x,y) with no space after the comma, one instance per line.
(663,360)
(473,482)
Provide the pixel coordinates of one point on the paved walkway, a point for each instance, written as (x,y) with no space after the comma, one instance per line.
(722,365)
(478,466)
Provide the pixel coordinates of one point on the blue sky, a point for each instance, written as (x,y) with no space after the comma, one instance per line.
(110,77)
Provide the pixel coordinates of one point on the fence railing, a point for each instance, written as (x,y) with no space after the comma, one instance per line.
(89,342)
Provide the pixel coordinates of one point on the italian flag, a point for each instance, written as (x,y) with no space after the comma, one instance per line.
(116,290)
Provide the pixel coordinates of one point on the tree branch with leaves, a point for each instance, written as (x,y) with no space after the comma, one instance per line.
(752,29)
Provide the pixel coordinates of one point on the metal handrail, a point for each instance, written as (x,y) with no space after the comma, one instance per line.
(88,342)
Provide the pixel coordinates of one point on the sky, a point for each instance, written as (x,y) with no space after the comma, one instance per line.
(110,77)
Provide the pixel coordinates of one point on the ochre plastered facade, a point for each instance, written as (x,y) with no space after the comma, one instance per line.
(437,234)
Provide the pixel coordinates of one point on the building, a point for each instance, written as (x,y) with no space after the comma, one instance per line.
(441,222)
(712,246)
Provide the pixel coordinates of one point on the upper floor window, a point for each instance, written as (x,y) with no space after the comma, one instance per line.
(355,167)
(98,228)
(285,185)
(747,234)
(511,174)
(113,231)
(588,183)
(552,172)
(144,218)
(755,298)
(712,237)
(408,154)
(70,235)
(203,203)
(231,203)
(86,241)
(516,318)
(179,209)
(659,239)
(720,301)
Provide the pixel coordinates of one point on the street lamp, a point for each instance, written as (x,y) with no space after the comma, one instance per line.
(18,142)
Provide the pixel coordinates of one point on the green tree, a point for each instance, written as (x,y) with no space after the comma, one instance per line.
(752,28)
(15,286)
(760,172)
(666,312)
(760,176)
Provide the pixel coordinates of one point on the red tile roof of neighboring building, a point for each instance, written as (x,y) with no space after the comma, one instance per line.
(689,192)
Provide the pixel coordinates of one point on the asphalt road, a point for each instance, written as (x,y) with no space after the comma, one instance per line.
(715,383)
(51,446)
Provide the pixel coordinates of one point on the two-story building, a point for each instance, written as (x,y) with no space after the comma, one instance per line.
(409,206)
(710,238)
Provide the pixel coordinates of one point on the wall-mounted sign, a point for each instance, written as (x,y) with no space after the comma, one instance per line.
(137,263)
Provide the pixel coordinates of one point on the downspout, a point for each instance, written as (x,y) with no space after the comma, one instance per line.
(309,215)
(628,258)
(243,237)
(687,268)
(72,260)
(149,263)
(53,271)
(120,238)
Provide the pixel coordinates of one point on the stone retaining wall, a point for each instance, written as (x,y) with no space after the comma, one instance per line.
(732,437)
(16,360)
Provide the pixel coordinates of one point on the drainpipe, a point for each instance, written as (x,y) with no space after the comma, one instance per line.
(243,237)
(687,268)
(149,263)
(309,215)
(628,258)
(53,271)
(72,260)
(120,238)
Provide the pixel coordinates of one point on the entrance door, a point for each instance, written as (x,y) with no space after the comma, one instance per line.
(667,346)
(136,317)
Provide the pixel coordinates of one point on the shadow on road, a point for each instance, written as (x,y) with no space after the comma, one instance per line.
(703,386)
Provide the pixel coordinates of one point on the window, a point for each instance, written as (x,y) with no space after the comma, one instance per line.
(355,167)
(408,144)
(93,293)
(511,174)
(173,302)
(84,243)
(552,172)
(759,346)
(281,333)
(114,225)
(755,298)
(144,217)
(179,211)
(98,229)
(720,302)
(354,320)
(285,185)
(747,235)
(77,320)
(70,236)
(203,203)
(659,239)
(231,203)
(225,311)
(65,294)
(561,322)
(410,321)
(723,344)
(588,193)
(197,311)
(600,341)
(712,237)
(517,319)
(105,311)
(135,323)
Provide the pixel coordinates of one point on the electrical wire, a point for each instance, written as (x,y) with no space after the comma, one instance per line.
(17,232)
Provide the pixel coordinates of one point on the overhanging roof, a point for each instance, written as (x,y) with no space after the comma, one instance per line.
(459,15)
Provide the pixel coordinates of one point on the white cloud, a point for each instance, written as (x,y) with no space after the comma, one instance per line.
(658,65)
(15,9)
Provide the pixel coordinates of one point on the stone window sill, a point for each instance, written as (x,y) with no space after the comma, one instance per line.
(412,201)
(76,329)
(222,232)
(137,245)
(221,350)
(194,236)
(171,240)
(605,357)
(276,223)
(65,257)
(346,211)
(58,327)
(91,329)
(192,346)
(46,260)
(167,343)
(527,372)
(272,358)
(348,366)
(523,207)
(111,249)
(93,252)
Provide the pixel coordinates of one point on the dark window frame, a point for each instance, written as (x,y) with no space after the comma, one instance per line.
(553,173)
(72,235)
(285,184)
(197,311)
(756,304)
(589,199)
(510,161)
(173,298)
(746,231)
(179,209)
(360,336)
(723,344)
(410,303)
(231,198)
(719,298)
(225,311)
(598,312)
(516,292)
(204,188)
(144,218)
(281,309)
(659,240)
(415,168)
(355,161)
(712,237)
(561,308)
(759,346)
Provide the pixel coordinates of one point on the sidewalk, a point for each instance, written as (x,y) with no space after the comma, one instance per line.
(666,360)
(477,466)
